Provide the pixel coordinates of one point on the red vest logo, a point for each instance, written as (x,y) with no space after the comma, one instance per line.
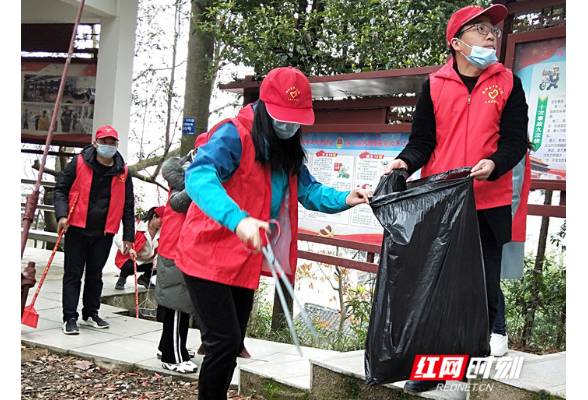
(492,92)
(293,92)
(122,177)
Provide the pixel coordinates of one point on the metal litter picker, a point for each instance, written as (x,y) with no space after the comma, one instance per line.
(276,269)
(30,317)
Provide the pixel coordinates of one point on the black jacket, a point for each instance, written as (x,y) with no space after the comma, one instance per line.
(99,194)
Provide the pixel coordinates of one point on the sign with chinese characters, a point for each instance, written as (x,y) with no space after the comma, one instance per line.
(344,162)
(542,69)
(189,126)
(40,82)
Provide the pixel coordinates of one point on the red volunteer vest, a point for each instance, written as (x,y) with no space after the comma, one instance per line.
(82,185)
(468,127)
(210,251)
(140,240)
(171,225)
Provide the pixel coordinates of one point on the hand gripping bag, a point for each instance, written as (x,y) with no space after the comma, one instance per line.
(430,295)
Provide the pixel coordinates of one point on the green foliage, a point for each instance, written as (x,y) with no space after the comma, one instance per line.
(260,322)
(325,37)
(544,292)
(359,306)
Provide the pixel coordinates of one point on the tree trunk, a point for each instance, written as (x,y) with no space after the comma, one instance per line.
(199,78)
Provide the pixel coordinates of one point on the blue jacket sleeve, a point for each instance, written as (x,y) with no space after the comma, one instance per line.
(317,197)
(214,163)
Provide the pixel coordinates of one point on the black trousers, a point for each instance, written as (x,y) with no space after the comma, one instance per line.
(89,253)
(128,269)
(222,313)
(174,335)
(492,254)
(499,325)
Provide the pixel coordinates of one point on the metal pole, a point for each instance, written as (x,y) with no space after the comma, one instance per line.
(32,199)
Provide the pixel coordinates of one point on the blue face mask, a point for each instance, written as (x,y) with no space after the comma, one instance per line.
(285,130)
(480,57)
(106,151)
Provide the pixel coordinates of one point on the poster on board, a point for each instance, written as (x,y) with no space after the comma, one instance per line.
(40,83)
(344,162)
(541,65)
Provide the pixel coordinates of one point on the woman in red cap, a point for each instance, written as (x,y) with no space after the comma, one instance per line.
(249,171)
(144,252)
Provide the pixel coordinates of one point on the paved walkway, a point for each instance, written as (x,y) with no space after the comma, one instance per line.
(128,341)
(133,342)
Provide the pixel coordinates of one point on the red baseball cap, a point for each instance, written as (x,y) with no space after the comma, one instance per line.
(106,131)
(160,211)
(496,13)
(287,96)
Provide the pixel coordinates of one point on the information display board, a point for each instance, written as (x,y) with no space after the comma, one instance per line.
(40,83)
(541,65)
(345,161)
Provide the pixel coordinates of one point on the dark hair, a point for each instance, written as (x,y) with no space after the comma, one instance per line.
(286,154)
(149,214)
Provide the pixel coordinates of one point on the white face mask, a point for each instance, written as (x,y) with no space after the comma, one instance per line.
(106,151)
(284,130)
(480,57)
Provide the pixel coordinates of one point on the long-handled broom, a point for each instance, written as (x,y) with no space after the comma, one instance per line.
(30,317)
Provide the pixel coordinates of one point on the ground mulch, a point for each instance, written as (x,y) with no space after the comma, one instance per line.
(50,375)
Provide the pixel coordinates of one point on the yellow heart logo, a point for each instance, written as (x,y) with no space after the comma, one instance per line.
(493,94)
(293,94)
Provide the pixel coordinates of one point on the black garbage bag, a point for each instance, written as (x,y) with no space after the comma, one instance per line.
(430,295)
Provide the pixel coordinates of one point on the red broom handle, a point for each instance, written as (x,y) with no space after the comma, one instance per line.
(54,251)
(136,291)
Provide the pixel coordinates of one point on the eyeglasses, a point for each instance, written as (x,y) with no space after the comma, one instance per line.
(482,30)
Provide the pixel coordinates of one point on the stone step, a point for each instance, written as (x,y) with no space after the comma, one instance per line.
(342,376)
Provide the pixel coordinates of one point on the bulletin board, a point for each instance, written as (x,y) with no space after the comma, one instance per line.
(40,81)
(345,161)
(539,59)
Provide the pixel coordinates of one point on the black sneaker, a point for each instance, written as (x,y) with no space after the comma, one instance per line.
(422,386)
(70,327)
(120,284)
(142,280)
(96,322)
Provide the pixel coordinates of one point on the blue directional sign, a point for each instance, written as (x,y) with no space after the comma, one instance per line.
(189,126)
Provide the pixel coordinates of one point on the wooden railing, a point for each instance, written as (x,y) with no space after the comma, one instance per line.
(544,210)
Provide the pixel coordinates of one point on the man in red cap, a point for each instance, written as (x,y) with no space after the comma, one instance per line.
(473,112)
(99,178)
(249,171)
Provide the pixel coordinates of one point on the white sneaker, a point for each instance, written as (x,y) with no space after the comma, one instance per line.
(186,367)
(189,365)
(498,344)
